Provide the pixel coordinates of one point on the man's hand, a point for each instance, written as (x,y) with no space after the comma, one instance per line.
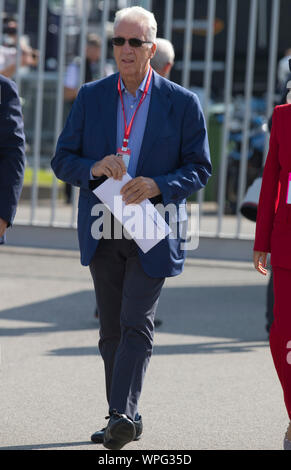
(111,166)
(138,189)
(258,264)
(3,227)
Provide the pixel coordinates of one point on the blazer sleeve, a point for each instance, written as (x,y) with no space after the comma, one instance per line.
(68,163)
(12,150)
(195,164)
(269,192)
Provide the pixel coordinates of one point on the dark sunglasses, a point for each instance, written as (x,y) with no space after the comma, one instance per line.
(133,42)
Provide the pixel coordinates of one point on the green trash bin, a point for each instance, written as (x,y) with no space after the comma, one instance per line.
(215,137)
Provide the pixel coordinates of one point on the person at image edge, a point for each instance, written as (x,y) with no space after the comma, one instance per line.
(273,235)
(12,153)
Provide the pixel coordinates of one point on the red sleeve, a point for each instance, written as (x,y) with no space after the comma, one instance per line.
(269,192)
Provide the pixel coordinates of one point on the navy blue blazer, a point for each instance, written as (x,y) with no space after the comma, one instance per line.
(12,149)
(174,152)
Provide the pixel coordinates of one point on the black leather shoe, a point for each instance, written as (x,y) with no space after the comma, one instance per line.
(119,431)
(98,436)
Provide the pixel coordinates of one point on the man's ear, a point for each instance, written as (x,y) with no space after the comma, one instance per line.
(153,50)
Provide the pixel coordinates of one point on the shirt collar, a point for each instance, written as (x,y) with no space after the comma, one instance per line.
(141,86)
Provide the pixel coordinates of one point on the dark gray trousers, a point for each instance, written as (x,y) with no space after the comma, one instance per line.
(127,299)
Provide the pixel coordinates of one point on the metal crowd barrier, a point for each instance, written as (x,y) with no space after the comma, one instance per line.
(39,82)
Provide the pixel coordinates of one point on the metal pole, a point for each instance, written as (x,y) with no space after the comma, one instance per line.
(105,17)
(83,42)
(188,44)
(1,20)
(20,29)
(272,63)
(248,97)
(59,102)
(169,7)
(82,53)
(227,104)
(208,75)
(209,56)
(39,106)
(147,4)
(83,45)
(263,22)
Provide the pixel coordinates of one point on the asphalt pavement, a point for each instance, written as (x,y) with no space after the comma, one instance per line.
(210,383)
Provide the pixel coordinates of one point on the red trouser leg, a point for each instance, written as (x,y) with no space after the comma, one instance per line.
(280,334)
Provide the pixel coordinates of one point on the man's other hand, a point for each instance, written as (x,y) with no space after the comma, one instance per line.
(138,189)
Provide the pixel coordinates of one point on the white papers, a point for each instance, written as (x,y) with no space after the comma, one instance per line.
(142,221)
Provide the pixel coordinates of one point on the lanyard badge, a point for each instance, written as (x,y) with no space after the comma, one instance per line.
(125,154)
(124,151)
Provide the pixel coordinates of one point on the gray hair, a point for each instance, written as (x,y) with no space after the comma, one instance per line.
(141,15)
(164,55)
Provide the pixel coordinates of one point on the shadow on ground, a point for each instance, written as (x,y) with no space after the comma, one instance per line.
(232,314)
(48,446)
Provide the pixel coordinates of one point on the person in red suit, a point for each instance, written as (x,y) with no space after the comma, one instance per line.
(273,235)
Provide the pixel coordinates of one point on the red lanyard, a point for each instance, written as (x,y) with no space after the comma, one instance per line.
(127,128)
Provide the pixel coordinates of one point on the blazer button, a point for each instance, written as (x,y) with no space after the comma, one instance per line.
(78,181)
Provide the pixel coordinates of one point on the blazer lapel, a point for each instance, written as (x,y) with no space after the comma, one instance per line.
(157,116)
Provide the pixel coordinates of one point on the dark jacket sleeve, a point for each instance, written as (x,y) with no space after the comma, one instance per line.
(12,150)
(196,166)
(68,163)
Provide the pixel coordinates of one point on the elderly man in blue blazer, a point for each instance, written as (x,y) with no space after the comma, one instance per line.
(12,153)
(139,122)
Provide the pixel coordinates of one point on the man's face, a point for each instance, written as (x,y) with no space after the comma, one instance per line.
(132,61)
